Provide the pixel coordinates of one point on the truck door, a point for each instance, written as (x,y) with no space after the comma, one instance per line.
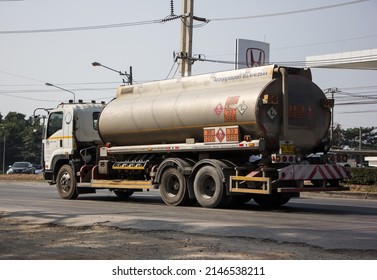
(54,137)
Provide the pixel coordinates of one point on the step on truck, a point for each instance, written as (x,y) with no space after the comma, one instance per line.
(215,139)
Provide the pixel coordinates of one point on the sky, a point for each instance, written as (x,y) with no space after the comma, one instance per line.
(36,48)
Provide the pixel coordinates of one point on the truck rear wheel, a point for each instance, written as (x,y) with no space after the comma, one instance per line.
(173,189)
(66,183)
(272,200)
(208,187)
(123,194)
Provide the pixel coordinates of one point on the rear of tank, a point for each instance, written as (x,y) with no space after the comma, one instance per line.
(307,109)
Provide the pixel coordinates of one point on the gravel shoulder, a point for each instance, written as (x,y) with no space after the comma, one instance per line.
(20,240)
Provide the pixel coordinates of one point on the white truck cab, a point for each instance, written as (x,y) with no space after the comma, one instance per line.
(70,128)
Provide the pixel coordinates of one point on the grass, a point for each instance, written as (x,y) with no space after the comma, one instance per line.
(21,177)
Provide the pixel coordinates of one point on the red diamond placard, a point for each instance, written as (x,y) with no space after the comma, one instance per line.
(220,135)
(218,109)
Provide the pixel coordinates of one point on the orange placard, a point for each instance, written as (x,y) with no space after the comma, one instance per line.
(230,110)
(209,135)
(232,134)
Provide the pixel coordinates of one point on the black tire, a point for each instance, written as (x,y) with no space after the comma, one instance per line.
(209,188)
(241,199)
(66,183)
(334,183)
(123,193)
(283,199)
(318,183)
(271,201)
(173,188)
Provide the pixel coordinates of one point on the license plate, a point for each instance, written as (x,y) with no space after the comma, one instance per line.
(287,149)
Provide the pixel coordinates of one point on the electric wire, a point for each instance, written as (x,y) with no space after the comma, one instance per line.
(172,17)
(305,45)
(49,100)
(194,26)
(171,69)
(325,43)
(303,63)
(176,70)
(289,12)
(358,112)
(82,28)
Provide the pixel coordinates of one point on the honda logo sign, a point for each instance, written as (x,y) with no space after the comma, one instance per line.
(255,57)
(251,53)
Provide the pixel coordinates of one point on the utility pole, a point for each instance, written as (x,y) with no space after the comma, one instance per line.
(4,140)
(185,54)
(4,154)
(359,138)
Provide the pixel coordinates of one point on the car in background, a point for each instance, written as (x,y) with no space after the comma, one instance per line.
(38,168)
(21,167)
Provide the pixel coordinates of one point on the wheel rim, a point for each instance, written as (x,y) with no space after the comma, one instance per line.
(208,187)
(65,182)
(172,186)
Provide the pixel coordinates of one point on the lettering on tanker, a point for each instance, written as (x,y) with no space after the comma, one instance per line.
(300,112)
(245,75)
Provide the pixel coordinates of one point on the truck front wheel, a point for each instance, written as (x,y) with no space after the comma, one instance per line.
(66,183)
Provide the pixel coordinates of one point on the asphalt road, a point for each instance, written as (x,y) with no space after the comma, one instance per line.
(329,223)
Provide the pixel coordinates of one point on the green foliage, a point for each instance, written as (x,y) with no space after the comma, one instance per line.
(23,140)
(363,176)
(351,137)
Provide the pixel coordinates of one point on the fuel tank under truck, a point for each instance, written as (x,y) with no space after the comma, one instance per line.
(253,99)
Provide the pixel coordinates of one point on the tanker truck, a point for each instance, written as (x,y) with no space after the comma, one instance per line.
(216,139)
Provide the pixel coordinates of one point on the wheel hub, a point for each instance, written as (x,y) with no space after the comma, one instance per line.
(65,182)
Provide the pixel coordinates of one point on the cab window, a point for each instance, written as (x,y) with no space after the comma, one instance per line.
(95,120)
(55,123)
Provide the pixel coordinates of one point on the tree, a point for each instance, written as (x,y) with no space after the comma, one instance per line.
(337,136)
(23,141)
(351,137)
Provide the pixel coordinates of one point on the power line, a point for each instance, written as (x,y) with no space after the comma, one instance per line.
(360,95)
(62,84)
(298,63)
(357,103)
(169,18)
(305,45)
(20,76)
(289,12)
(361,87)
(28,98)
(171,69)
(18,91)
(358,112)
(82,28)
(325,43)
(47,100)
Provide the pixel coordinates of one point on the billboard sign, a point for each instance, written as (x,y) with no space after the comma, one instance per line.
(250,53)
